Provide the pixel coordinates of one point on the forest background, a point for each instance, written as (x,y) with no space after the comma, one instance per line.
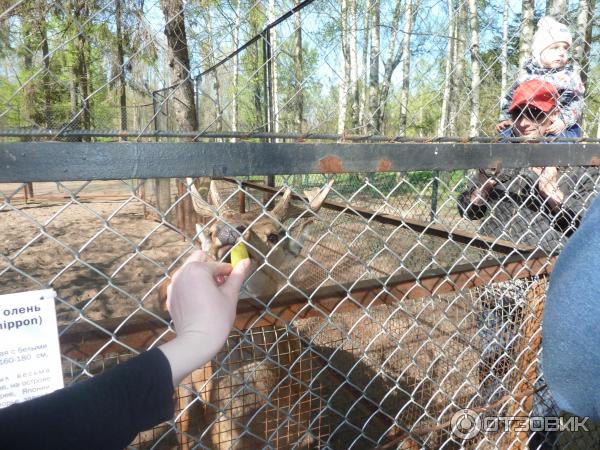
(414,68)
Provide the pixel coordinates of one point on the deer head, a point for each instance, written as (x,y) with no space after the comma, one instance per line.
(271,246)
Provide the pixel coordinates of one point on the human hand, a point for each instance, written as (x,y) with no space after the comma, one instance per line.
(202,300)
(556,127)
(548,185)
(502,125)
(486,185)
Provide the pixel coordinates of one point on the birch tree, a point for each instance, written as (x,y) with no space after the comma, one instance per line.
(80,101)
(364,100)
(504,60)
(236,68)
(581,53)
(353,58)
(209,57)
(447,71)
(374,67)
(457,84)
(121,66)
(404,91)
(557,9)
(299,73)
(274,73)
(391,62)
(475,71)
(343,85)
(527,10)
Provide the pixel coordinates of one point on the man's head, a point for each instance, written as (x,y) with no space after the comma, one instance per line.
(533,108)
(551,43)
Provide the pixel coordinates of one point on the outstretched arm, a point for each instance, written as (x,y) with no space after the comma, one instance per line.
(107,411)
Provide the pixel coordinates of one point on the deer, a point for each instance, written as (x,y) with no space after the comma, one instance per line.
(274,254)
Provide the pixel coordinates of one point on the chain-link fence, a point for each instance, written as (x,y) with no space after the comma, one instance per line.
(416,69)
(375,313)
(364,323)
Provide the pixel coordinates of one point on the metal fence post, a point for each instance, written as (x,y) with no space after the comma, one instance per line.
(434,194)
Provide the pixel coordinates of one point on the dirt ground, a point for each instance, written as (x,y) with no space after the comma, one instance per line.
(103,258)
(92,243)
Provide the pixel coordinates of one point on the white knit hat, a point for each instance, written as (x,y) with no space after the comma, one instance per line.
(548,32)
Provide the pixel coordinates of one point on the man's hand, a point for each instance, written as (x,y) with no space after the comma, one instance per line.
(202,300)
(548,185)
(486,185)
(503,125)
(556,127)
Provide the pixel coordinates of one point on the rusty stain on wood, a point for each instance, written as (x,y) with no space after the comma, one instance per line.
(331,164)
(384,165)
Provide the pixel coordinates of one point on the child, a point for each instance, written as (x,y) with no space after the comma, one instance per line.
(549,52)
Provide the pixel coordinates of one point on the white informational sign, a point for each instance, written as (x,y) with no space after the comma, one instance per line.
(29,349)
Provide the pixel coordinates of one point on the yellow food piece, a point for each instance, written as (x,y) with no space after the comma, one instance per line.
(238,253)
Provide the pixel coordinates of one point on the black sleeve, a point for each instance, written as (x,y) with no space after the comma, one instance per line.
(578,185)
(105,412)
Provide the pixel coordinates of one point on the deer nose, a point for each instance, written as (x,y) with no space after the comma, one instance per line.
(227,234)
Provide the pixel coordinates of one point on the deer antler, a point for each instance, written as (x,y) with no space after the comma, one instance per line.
(317,196)
(281,209)
(201,206)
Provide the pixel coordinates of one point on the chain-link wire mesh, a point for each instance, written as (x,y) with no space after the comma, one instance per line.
(364,324)
(415,69)
(368,322)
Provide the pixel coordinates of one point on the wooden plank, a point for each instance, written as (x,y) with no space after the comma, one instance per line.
(462,236)
(83,339)
(70,161)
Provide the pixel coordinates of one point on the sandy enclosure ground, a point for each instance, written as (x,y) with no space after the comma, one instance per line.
(102,257)
(91,243)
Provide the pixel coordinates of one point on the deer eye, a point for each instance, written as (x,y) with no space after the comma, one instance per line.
(273,238)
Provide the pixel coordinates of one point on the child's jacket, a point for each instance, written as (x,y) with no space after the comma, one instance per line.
(566,81)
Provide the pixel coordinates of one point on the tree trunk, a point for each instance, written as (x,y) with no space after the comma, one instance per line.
(299,73)
(391,62)
(372,113)
(527,9)
(581,53)
(215,72)
(80,13)
(447,72)
(475,71)
(343,85)
(274,72)
(504,60)
(121,64)
(404,92)
(236,69)
(458,85)
(364,101)
(43,28)
(26,51)
(354,64)
(183,104)
(557,9)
